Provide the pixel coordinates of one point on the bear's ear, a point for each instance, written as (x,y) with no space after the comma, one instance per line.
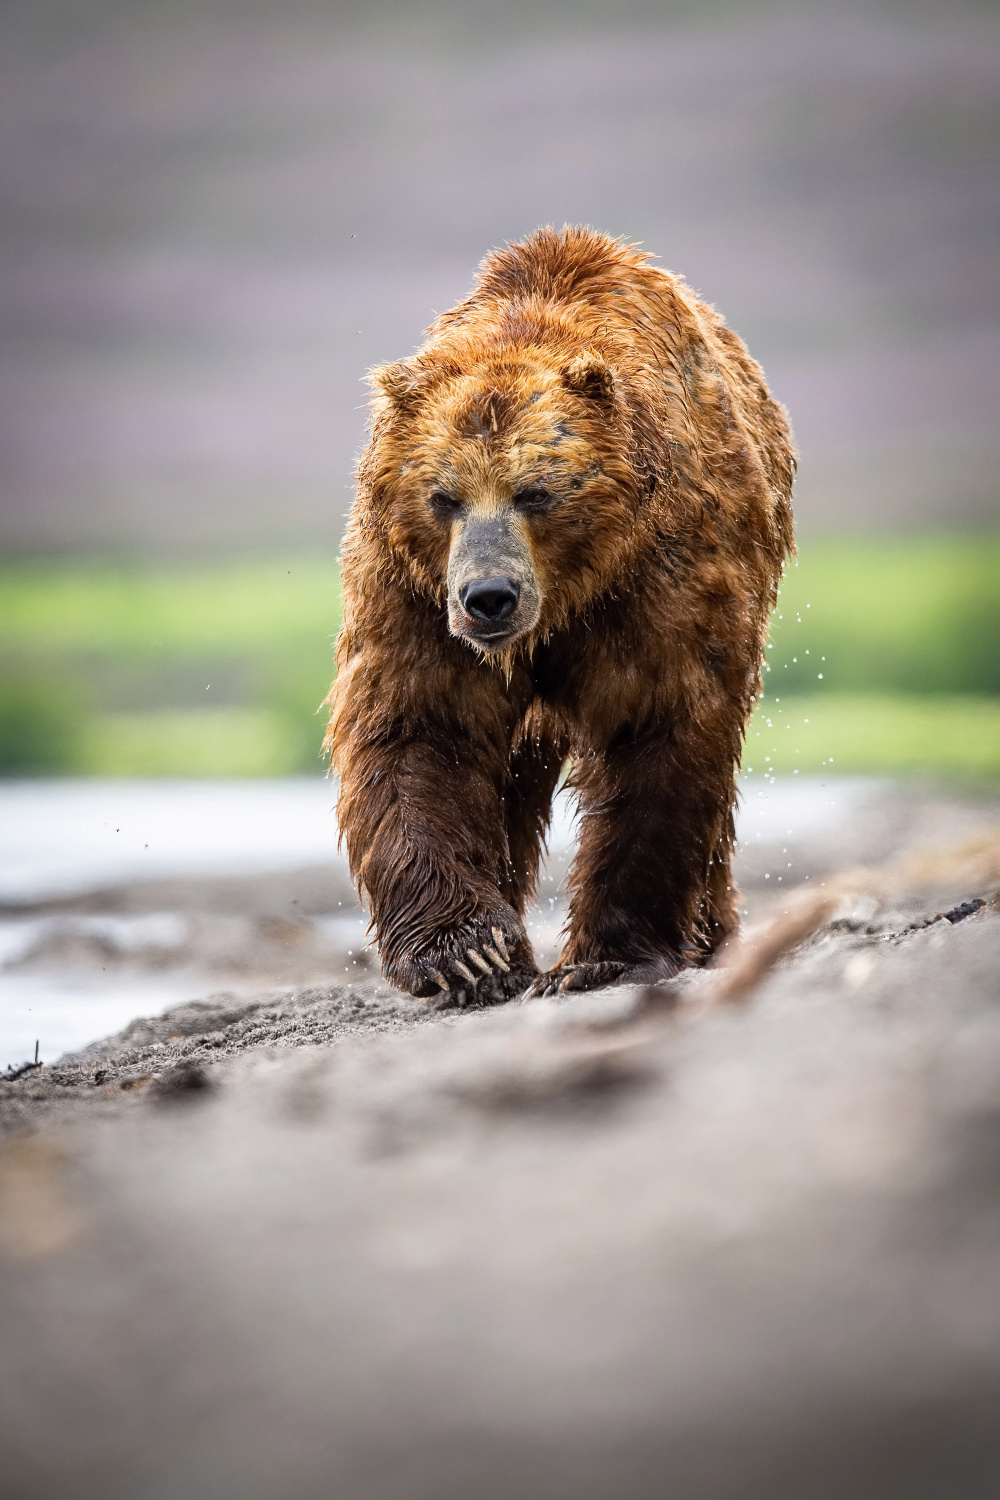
(590,376)
(397,381)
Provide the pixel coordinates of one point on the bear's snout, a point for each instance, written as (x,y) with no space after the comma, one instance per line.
(493,596)
(491,600)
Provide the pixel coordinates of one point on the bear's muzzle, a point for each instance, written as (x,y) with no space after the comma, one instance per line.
(493,595)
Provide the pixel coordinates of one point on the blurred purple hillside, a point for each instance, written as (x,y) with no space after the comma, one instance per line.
(216,217)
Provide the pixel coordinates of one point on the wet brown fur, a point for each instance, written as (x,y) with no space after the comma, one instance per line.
(576,361)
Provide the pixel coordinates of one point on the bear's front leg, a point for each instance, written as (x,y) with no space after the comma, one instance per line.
(423,821)
(650,890)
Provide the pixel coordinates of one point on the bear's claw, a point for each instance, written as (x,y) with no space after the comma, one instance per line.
(590,976)
(501,945)
(479,964)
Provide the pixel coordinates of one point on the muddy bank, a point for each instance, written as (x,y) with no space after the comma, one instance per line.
(326,1242)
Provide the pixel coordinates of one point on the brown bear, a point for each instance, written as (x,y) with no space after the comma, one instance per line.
(570,526)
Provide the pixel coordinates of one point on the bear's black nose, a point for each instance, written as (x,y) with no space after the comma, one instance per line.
(490,599)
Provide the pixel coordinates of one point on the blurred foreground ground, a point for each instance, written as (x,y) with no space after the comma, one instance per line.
(319,1240)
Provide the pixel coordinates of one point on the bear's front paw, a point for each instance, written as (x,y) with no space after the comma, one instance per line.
(483,962)
(597,975)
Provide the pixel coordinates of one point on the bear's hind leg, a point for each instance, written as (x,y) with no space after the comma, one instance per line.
(650,886)
(721,912)
(530,785)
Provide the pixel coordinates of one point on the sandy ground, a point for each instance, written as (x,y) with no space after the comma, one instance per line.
(314,1239)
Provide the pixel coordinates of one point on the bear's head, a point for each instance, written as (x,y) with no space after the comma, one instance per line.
(506,487)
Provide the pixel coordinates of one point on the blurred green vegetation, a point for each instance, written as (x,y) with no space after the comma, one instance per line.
(890,615)
(875,733)
(888,647)
(196,670)
(39,723)
(884,659)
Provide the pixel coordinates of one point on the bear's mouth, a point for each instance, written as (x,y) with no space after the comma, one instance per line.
(487,638)
(493,639)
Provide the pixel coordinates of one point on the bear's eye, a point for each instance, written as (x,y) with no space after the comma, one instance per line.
(445,504)
(535,497)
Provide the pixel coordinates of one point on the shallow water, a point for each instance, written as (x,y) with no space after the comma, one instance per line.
(63,838)
(59,837)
